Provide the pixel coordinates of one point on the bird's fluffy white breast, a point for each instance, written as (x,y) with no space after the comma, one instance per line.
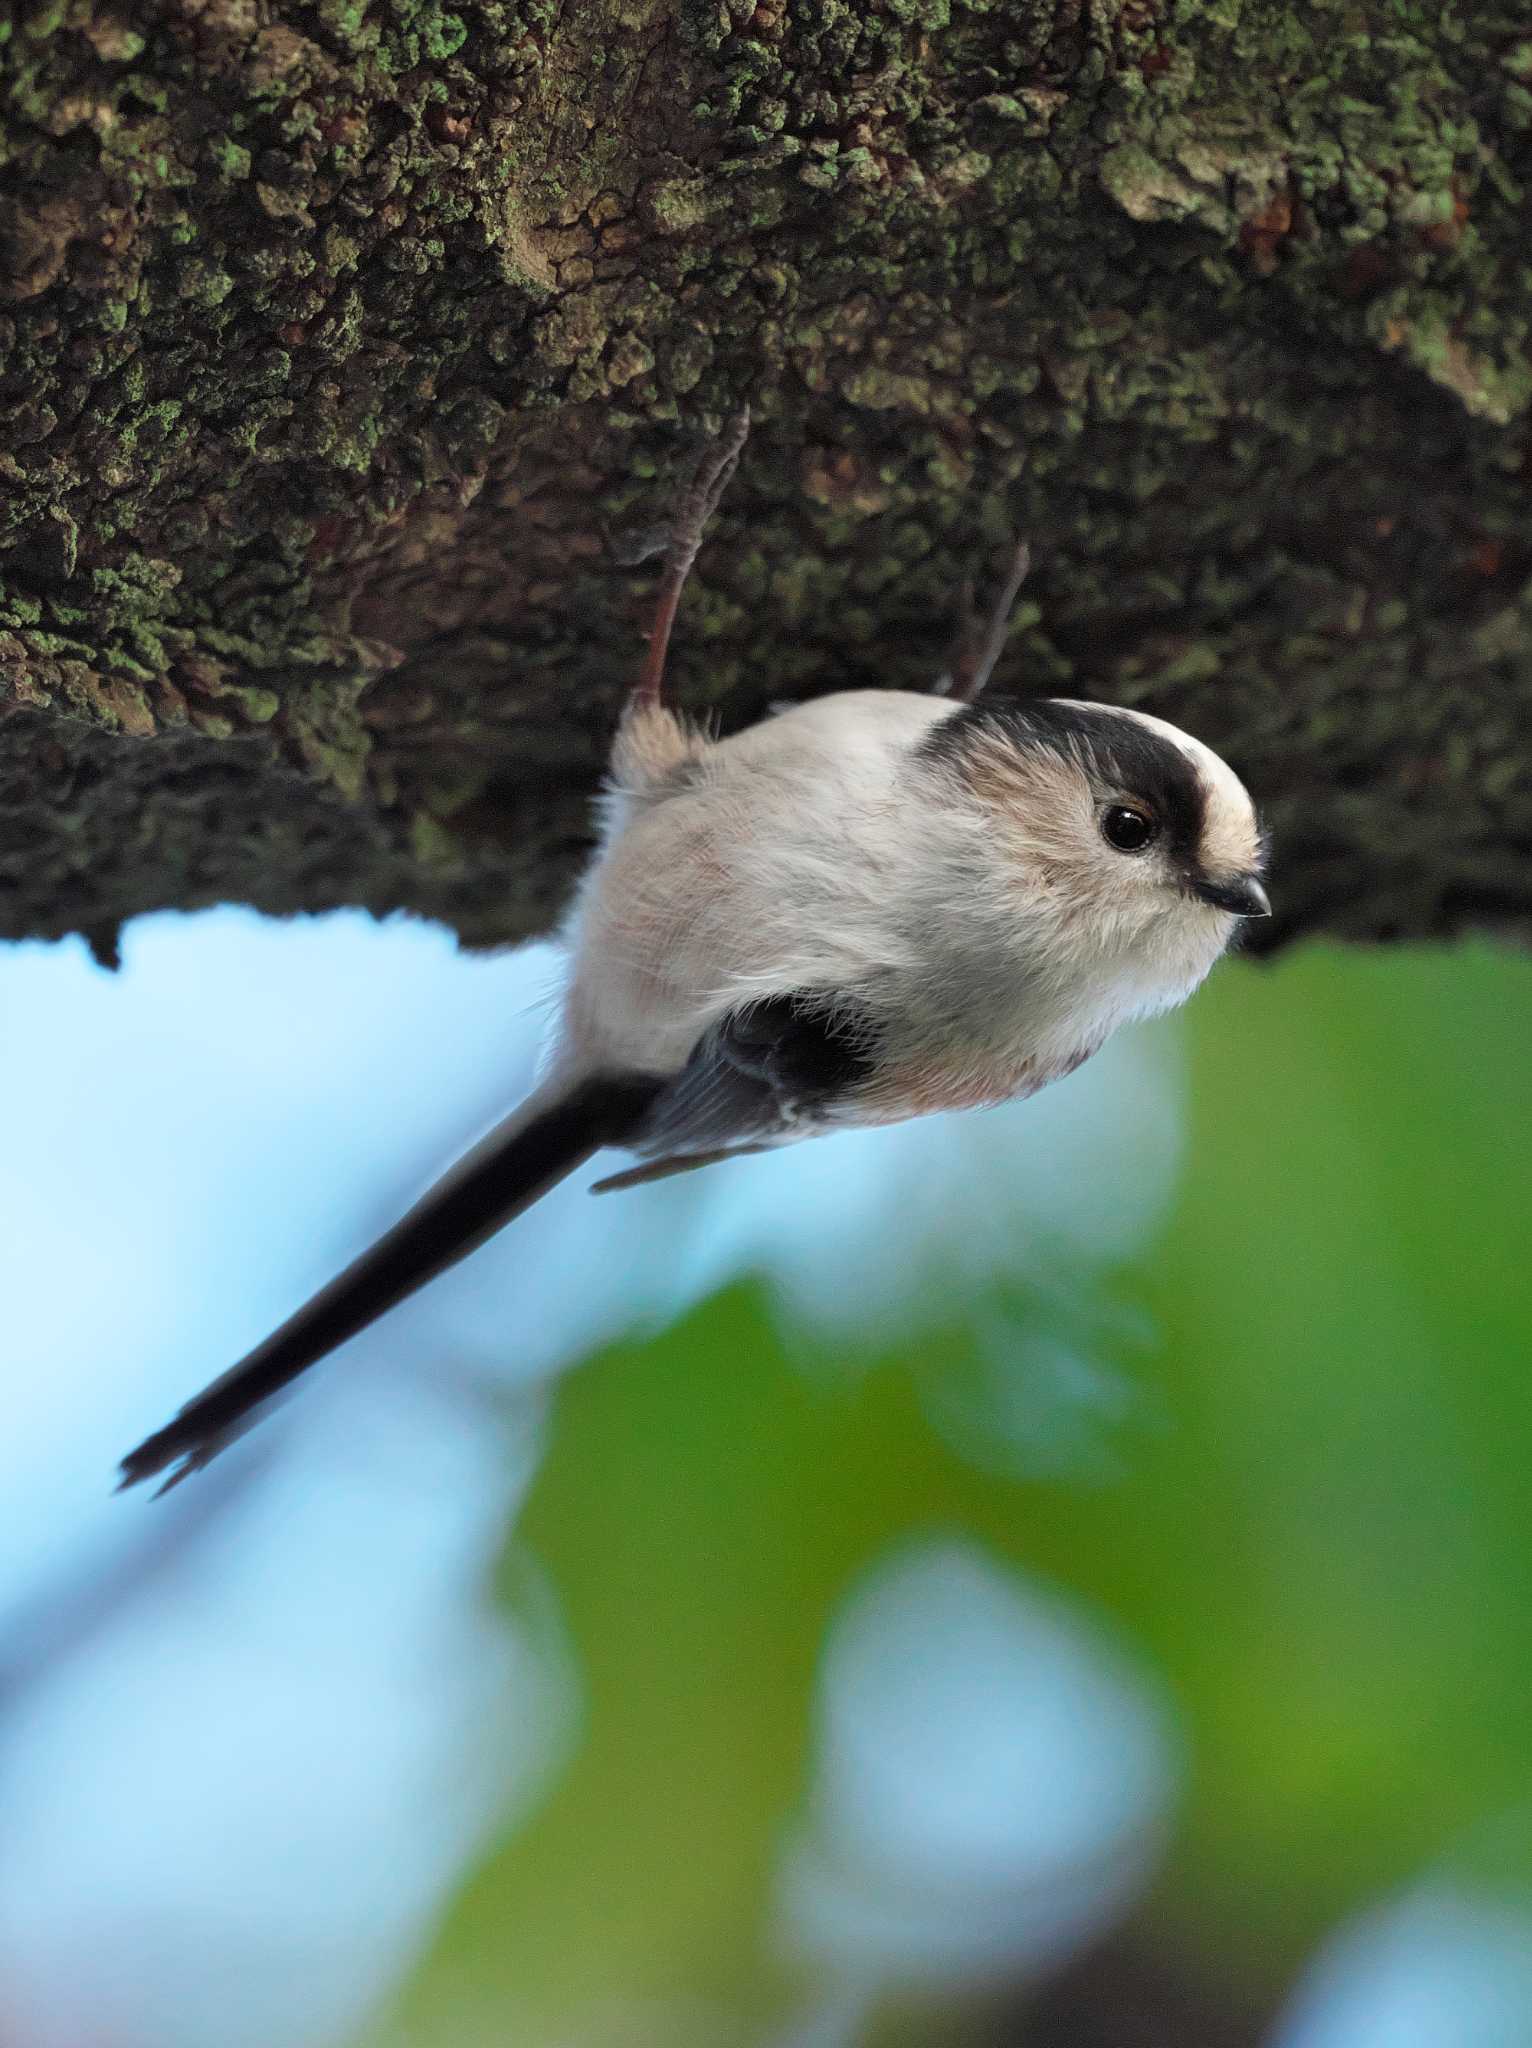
(777,862)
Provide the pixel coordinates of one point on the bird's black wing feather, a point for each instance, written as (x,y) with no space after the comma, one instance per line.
(772,1069)
(497,1180)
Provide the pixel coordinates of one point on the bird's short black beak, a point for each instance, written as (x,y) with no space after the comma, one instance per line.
(1241,894)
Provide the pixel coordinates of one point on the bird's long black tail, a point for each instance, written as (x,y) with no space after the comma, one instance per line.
(503,1175)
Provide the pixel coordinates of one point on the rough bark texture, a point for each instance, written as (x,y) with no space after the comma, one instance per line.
(340,338)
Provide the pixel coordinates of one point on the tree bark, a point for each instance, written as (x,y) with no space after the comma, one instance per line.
(339,340)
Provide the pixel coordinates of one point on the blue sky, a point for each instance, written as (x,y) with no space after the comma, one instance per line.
(252,1736)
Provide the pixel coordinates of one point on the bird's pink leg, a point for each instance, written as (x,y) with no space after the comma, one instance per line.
(695,510)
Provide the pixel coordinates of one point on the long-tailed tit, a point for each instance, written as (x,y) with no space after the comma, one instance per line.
(858,910)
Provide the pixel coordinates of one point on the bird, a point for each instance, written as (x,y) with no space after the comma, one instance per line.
(867,907)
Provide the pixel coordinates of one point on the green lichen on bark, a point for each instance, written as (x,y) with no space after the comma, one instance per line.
(337,340)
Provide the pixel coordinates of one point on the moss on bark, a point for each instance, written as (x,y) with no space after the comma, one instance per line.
(337,340)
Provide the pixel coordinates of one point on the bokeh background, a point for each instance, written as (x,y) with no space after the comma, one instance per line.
(1058,1576)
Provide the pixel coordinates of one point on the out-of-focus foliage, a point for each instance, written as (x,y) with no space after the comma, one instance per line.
(1304,1503)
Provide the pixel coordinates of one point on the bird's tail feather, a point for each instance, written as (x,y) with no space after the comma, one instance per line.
(551,1134)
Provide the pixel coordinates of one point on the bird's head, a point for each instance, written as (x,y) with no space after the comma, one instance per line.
(1128,844)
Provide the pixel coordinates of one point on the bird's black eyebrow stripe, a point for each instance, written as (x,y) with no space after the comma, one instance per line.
(1122,756)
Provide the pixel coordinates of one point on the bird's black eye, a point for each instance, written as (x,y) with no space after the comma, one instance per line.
(1129,830)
